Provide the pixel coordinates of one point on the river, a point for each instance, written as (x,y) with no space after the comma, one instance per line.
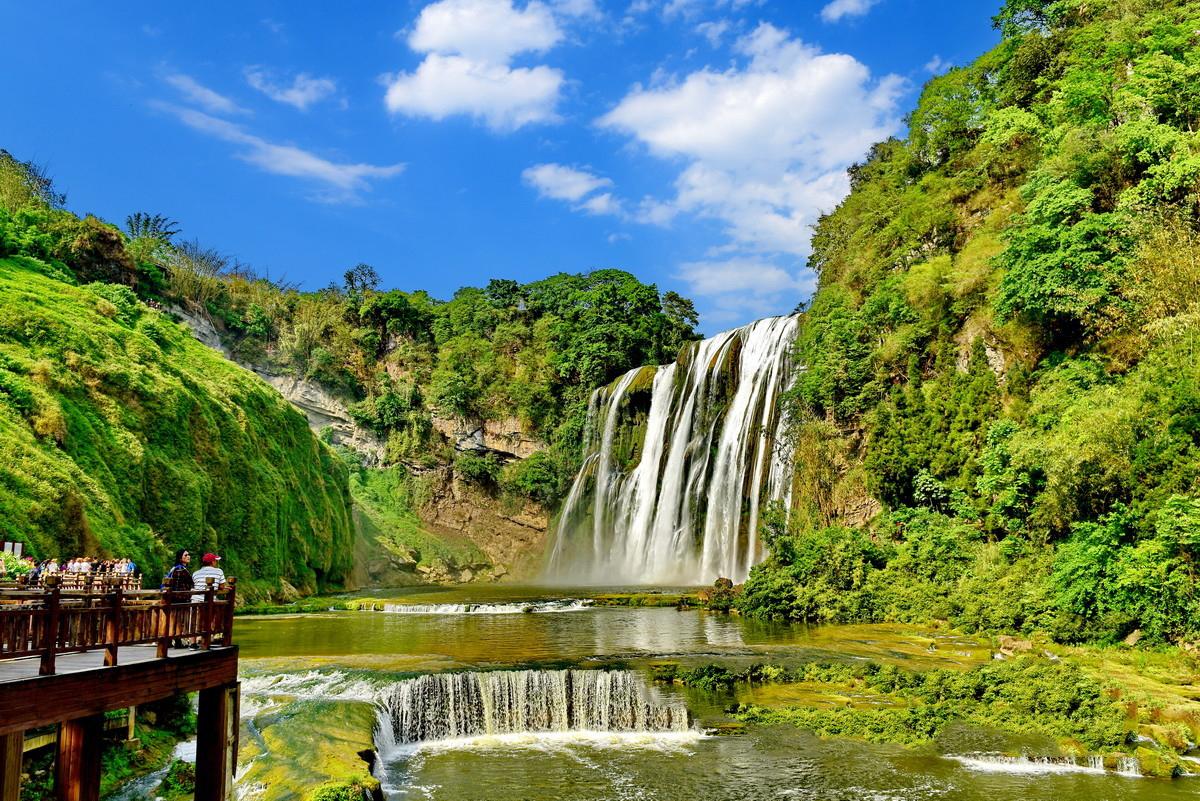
(305,676)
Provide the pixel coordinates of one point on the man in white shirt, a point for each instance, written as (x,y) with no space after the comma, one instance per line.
(208,570)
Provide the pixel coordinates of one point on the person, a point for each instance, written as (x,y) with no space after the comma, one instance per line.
(209,569)
(178,581)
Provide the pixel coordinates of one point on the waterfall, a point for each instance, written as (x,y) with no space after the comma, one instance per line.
(678,462)
(450,706)
(514,608)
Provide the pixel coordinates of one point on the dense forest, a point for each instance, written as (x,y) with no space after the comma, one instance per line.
(528,354)
(998,419)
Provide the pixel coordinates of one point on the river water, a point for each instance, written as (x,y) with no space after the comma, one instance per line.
(516,736)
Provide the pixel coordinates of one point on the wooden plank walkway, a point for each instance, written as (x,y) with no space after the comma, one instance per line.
(27,668)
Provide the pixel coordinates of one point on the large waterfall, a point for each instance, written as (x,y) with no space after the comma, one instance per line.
(678,462)
(449,706)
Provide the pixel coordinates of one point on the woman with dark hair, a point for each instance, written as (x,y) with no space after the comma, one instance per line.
(179,581)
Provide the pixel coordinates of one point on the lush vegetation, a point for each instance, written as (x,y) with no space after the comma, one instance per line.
(1028,695)
(121,435)
(997,424)
(132,439)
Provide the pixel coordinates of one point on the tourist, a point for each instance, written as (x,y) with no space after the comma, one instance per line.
(179,578)
(208,570)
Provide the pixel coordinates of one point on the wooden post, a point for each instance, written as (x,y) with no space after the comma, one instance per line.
(164,624)
(12,747)
(216,743)
(210,619)
(231,600)
(112,630)
(50,634)
(131,724)
(77,773)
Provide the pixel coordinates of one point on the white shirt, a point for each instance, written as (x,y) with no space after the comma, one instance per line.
(201,576)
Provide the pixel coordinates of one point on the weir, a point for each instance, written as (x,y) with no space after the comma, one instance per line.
(450,706)
(679,461)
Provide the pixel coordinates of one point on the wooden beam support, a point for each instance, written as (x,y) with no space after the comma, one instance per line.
(12,749)
(77,772)
(216,743)
(33,702)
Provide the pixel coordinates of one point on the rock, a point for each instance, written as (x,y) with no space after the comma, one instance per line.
(1133,639)
(1011,645)
(1157,764)
(322,409)
(506,437)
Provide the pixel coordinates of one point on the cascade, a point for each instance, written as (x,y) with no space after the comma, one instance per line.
(678,463)
(514,608)
(449,706)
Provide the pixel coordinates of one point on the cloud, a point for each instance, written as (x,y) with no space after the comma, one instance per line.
(602,204)
(505,98)
(573,185)
(767,145)
(936,65)
(838,9)
(763,148)
(563,183)
(303,91)
(341,182)
(195,92)
(469,47)
(739,288)
(713,31)
(484,30)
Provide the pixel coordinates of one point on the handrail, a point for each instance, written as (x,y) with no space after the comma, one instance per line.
(54,621)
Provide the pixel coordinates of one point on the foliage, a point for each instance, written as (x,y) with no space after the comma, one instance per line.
(1000,358)
(122,436)
(1024,695)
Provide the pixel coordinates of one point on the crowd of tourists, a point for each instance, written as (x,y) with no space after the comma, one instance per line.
(83,565)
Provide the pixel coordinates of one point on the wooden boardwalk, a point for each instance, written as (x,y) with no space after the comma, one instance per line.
(68,658)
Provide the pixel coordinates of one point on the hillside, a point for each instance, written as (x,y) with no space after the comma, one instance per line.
(121,435)
(997,422)
(460,420)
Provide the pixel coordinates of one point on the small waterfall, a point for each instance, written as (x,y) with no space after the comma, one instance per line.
(1002,763)
(451,706)
(515,608)
(678,462)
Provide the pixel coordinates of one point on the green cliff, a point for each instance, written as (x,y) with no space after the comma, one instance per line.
(120,435)
(997,422)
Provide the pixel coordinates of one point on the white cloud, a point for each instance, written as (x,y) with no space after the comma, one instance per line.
(936,65)
(839,9)
(563,183)
(491,31)
(340,181)
(303,91)
(602,204)
(573,185)
(737,289)
(195,92)
(764,147)
(506,98)
(713,31)
(469,47)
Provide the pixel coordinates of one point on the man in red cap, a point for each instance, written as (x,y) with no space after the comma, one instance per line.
(208,570)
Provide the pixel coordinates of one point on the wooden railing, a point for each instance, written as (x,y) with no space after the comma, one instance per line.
(50,621)
(87,582)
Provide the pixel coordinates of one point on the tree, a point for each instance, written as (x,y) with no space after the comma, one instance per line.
(24,184)
(142,225)
(359,279)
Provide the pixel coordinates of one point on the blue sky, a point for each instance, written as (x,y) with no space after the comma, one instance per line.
(691,142)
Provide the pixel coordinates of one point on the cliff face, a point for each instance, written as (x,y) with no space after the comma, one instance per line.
(446,530)
(512,537)
(121,436)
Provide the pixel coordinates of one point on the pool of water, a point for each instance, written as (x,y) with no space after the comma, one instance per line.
(350,658)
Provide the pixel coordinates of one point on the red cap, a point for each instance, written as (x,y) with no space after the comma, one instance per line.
(209,558)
